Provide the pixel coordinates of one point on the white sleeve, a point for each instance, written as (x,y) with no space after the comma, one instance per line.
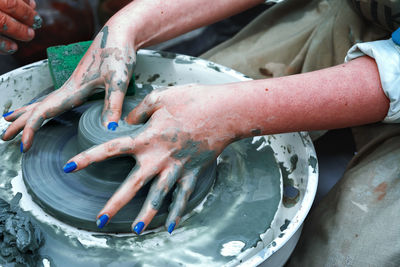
(387,57)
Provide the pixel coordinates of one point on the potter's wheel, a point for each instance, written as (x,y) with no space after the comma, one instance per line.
(76,198)
(244,219)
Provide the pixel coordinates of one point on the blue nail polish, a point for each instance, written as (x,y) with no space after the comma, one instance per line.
(8,114)
(21,147)
(138,228)
(69,167)
(112,126)
(171,227)
(101,222)
(396,36)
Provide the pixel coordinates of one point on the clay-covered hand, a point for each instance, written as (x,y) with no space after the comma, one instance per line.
(108,64)
(184,132)
(18,20)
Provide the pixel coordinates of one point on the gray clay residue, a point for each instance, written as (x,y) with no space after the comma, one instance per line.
(164,54)
(20,238)
(312,161)
(291,194)
(213,66)
(152,78)
(183,61)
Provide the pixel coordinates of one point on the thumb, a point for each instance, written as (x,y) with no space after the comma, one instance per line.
(142,112)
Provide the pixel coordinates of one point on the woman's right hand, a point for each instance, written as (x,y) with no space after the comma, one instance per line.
(108,64)
(18,19)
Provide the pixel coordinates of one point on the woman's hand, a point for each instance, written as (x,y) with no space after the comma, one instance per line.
(185,131)
(108,64)
(18,19)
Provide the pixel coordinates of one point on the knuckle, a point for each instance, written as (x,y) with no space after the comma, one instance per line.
(134,183)
(111,148)
(11,5)
(152,98)
(130,143)
(84,158)
(22,30)
(115,109)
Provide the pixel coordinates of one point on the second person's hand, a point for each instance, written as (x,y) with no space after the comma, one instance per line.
(18,20)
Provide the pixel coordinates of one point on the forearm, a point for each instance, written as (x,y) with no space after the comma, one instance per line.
(346,95)
(153,21)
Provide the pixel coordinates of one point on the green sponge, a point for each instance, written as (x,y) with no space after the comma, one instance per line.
(63,60)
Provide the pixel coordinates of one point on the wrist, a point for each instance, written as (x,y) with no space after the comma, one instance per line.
(123,27)
(235,111)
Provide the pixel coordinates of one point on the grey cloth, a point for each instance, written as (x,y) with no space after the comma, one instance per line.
(357,222)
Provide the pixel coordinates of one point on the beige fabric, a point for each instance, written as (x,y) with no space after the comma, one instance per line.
(295,36)
(357,223)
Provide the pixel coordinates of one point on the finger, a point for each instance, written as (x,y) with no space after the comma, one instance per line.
(138,177)
(15,29)
(114,99)
(19,10)
(184,189)
(159,189)
(7,47)
(119,146)
(142,112)
(16,127)
(54,104)
(32,125)
(13,115)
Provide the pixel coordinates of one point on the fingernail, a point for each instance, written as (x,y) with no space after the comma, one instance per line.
(171,227)
(138,228)
(112,126)
(37,22)
(102,221)
(8,114)
(31,32)
(21,147)
(69,167)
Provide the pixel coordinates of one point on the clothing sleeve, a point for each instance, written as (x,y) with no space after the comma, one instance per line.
(387,57)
